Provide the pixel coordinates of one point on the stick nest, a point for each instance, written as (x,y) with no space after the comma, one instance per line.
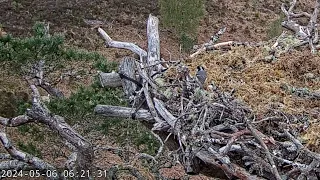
(267,137)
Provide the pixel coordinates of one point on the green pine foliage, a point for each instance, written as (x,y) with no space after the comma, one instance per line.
(80,104)
(19,54)
(30,148)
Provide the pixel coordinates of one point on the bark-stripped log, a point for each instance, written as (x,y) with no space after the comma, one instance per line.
(109,79)
(127,68)
(123,112)
(153,44)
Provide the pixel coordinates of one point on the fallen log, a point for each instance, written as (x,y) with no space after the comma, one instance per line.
(123,112)
(109,79)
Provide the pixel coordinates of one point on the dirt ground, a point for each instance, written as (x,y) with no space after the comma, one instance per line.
(125,20)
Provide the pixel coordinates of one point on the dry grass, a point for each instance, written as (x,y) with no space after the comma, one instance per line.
(258,83)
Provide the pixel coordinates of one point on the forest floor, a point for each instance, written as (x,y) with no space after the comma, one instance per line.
(256,83)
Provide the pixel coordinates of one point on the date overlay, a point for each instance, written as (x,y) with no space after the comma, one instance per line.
(53,173)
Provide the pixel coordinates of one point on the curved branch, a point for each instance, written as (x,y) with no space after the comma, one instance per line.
(123,45)
(22,156)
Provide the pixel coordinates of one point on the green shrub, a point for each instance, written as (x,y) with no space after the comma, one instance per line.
(275,28)
(186,42)
(183,16)
(105,66)
(20,54)
(30,148)
(82,103)
(132,132)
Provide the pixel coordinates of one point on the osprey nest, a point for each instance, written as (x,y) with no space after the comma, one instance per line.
(211,126)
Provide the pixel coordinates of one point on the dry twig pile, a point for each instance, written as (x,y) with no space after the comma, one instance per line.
(210,125)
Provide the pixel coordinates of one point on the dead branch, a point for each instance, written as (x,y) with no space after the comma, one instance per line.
(37,76)
(123,112)
(212,41)
(273,165)
(42,114)
(123,45)
(15,164)
(308,33)
(16,121)
(153,44)
(22,156)
(109,79)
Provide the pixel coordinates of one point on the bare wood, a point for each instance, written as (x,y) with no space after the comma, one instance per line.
(146,92)
(51,90)
(123,112)
(37,75)
(153,43)
(5,156)
(109,79)
(236,171)
(271,161)
(213,40)
(167,116)
(122,45)
(22,156)
(16,121)
(143,74)
(215,46)
(57,123)
(307,33)
(16,165)
(127,67)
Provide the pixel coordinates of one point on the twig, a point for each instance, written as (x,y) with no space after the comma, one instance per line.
(273,165)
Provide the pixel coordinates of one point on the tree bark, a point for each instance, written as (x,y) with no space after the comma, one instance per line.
(109,79)
(42,114)
(153,44)
(127,68)
(123,45)
(123,112)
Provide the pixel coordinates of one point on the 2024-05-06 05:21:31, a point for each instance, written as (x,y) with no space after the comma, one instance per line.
(52,173)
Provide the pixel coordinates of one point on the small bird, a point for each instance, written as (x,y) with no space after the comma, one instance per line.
(201,75)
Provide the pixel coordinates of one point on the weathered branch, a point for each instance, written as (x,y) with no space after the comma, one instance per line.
(273,165)
(109,79)
(307,33)
(123,45)
(16,121)
(37,74)
(22,156)
(16,165)
(165,114)
(42,114)
(123,112)
(153,44)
